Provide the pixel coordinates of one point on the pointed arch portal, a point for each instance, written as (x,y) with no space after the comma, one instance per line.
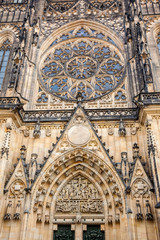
(78,189)
(78,182)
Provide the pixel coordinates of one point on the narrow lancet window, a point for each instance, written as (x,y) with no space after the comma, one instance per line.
(4,56)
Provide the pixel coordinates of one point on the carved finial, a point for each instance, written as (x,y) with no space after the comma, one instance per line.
(23,152)
(135,151)
(37,130)
(122,130)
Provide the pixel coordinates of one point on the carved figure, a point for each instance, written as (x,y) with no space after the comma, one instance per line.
(32,167)
(37,130)
(125,167)
(79,195)
(122,130)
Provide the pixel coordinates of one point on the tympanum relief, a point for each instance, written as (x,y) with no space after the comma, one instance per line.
(79,195)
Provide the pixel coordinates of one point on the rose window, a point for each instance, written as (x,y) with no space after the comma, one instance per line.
(90,66)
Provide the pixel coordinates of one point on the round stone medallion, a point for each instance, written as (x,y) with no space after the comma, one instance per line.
(79,134)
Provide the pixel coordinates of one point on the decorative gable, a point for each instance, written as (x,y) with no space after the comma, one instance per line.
(140,183)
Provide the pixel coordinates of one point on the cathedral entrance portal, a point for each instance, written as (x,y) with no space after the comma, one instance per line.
(80,204)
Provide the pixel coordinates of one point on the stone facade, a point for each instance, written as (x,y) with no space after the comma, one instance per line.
(79,120)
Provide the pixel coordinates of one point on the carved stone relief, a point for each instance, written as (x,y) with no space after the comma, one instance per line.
(78,134)
(79,195)
(17,189)
(140,188)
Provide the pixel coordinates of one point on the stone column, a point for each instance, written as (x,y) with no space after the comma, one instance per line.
(79,231)
(25,216)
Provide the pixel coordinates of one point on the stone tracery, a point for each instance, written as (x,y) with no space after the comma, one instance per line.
(101,4)
(86,64)
(64,6)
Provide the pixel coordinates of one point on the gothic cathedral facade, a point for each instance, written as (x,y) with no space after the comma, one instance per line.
(79,120)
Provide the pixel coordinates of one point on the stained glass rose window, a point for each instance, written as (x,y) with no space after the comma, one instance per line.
(82,63)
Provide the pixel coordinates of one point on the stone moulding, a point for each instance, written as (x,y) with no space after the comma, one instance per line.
(150,98)
(8,102)
(65,115)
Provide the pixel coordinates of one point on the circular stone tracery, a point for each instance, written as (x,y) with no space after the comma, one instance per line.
(91,66)
(81,67)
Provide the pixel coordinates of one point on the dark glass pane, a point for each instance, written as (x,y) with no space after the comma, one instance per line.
(1,53)
(7,53)
(1,75)
(4,56)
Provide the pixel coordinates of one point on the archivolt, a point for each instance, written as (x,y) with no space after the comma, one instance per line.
(64,169)
(9,33)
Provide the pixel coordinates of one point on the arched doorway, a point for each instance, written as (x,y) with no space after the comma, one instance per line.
(79,194)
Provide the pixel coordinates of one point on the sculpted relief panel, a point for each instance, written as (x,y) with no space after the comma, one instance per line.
(79,195)
(140,188)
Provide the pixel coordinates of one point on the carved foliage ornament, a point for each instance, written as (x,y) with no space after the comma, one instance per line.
(83,61)
(79,195)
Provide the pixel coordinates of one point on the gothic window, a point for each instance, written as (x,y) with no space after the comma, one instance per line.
(82,61)
(158,42)
(4,56)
